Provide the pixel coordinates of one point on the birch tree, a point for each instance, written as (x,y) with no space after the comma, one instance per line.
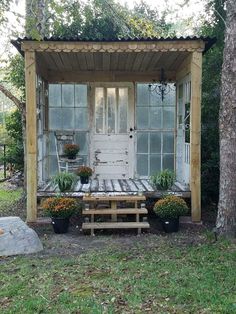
(226,219)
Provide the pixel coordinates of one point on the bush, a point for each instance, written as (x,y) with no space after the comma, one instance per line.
(62,207)
(170,207)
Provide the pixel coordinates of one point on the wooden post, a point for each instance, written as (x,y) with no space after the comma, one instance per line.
(31,136)
(195,136)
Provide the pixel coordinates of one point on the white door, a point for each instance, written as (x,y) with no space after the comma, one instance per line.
(112,138)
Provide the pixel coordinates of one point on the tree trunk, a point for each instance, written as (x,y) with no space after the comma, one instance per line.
(226,219)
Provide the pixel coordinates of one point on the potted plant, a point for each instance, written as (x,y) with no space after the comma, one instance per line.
(168,209)
(84,173)
(71,150)
(64,180)
(163,180)
(60,210)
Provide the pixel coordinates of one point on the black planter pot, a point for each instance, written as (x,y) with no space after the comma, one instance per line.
(60,225)
(84,180)
(71,156)
(170,225)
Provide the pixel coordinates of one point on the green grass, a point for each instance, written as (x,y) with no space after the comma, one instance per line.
(8,198)
(161,278)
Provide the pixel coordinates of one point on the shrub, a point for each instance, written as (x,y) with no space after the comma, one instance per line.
(163,180)
(170,207)
(62,207)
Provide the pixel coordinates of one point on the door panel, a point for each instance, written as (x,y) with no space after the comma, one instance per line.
(111,143)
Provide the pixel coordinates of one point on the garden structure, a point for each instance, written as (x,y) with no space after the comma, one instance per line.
(133,106)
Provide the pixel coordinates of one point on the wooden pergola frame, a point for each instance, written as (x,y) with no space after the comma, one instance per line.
(192,64)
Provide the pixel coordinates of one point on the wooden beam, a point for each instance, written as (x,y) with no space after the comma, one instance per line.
(107,76)
(128,46)
(195,136)
(31,136)
(184,68)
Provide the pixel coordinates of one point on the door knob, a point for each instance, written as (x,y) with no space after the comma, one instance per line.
(131,129)
(131,136)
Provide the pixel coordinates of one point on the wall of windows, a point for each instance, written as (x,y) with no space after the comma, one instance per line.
(155,125)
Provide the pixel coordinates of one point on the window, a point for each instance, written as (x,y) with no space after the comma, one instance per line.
(155,122)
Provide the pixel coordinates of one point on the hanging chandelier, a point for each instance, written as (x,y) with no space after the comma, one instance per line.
(161,88)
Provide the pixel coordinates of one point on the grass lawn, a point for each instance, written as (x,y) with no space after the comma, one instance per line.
(8,198)
(158,277)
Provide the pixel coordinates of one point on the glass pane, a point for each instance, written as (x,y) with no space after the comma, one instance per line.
(142,165)
(168,162)
(180,91)
(55,120)
(68,99)
(81,140)
(168,117)
(142,143)
(99,110)
(80,95)
(168,142)
(52,144)
(123,105)
(142,118)
(169,98)
(111,110)
(68,118)
(155,143)
(142,95)
(155,99)
(81,118)
(155,164)
(155,117)
(53,165)
(54,99)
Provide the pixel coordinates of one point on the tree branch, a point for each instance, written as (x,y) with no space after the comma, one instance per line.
(19,104)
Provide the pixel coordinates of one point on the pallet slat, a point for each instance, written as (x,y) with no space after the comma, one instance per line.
(115,225)
(108,211)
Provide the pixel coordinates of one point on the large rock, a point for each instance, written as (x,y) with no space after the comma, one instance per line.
(17,238)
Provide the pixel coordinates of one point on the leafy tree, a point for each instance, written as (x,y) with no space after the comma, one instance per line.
(211,82)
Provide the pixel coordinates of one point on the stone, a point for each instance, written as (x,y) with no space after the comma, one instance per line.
(17,238)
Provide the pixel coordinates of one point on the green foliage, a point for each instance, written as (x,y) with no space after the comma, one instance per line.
(60,207)
(170,207)
(64,180)
(15,148)
(163,180)
(15,73)
(211,83)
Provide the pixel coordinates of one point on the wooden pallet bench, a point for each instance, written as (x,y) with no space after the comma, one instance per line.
(113,211)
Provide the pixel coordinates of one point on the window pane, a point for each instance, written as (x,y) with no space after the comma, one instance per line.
(142,142)
(180,91)
(55,120)
(54,99)
(68,99)
(99,110)
(155,143)
(155,99)
(142,165)
(168,117)
(123,105)
(111,110)
(169,98)
(52,144)
(142,95)
(80,95)
(53,165)
(168,142)
(168,162)
(68,118)
(81,140)
(155,117)
(81,118)
(142,118)
(155,164)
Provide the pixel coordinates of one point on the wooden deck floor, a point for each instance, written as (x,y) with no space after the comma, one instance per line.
(112,187)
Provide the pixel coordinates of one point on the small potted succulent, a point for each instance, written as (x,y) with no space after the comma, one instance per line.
(168,209)
(71,150)
(60,210)
(84,173)
(163,180)
(64,180)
